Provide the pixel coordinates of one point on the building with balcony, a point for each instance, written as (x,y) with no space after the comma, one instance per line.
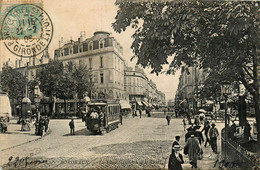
(187,95)
(142,92)
(103,56)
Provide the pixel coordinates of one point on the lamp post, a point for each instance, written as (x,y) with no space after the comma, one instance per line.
(225,91)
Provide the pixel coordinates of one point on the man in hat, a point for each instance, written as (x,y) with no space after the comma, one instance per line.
(176,142)
(175,159)
(193,148)
(213,134)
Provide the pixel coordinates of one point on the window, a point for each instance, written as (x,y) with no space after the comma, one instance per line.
(66,51)
(101,78)
(90,46)
(75,49)
(81,48)
(85,46)
(101,44)
(101,61)
(90,63)
(95,45)
(115,63)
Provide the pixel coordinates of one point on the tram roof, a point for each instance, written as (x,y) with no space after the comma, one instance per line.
(97,104)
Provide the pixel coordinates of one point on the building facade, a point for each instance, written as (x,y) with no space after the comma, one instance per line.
(142,92)
(187,96)
(103,56)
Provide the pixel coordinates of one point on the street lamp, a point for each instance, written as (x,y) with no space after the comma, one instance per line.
(225,91)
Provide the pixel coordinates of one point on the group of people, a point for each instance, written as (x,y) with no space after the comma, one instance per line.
(41,125)
(193,147)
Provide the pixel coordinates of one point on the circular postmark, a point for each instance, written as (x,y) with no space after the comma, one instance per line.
(27,30)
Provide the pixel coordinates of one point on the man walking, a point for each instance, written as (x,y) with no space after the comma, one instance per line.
(213,134)
(72,127)
(206,129)
(193,148)
(168,118)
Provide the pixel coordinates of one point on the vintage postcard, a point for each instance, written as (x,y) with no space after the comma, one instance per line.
(129,84)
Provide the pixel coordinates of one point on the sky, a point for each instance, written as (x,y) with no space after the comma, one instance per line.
(70,17)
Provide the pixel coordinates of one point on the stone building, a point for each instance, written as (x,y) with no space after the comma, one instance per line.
(103,56)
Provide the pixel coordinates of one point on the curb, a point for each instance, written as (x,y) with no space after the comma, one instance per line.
(47,133)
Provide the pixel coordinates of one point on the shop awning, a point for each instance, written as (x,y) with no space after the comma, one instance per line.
(139,103)
(124,104)
(145,104)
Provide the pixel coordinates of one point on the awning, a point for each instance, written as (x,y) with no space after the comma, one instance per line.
(139,103)
(145,104)
(124,104)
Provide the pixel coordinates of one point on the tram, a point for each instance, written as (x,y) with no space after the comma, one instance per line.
(102,115)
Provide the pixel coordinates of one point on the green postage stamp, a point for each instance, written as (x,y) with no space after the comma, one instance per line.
(26,29)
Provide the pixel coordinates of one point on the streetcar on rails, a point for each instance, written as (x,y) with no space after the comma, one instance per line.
(102,115)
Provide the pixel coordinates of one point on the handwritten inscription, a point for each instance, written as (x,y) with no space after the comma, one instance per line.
(24,162)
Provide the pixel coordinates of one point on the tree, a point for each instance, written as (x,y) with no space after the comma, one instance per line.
(219,36)
(13,82)
(82,82)
(49,77)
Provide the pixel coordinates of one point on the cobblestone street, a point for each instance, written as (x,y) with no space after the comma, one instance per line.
(137,144)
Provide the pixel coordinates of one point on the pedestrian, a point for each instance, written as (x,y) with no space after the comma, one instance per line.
(247,130)
(176,142)
(121,117)
(176,159)
(168,118)
(213,134)
(193,148)
(232,131)
(46,123)
(40,129)
(199,135)
(184,123)
(23,124)
(140,112)
(72,127)
(196,120)
(206,130)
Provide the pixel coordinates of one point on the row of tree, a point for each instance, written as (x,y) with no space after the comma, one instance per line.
(55,79)
(219,36)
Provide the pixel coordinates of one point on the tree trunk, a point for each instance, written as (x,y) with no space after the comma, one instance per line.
(65,107)
(256,65)
(242,110)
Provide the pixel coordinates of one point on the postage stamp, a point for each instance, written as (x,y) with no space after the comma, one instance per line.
(26,29)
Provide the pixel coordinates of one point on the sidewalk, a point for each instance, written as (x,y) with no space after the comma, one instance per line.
(15,137)
(209,158)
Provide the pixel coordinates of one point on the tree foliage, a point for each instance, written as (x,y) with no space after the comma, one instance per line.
(13,82)
(49,77)
(219,36)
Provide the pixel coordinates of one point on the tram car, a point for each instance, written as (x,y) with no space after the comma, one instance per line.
(102,115)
